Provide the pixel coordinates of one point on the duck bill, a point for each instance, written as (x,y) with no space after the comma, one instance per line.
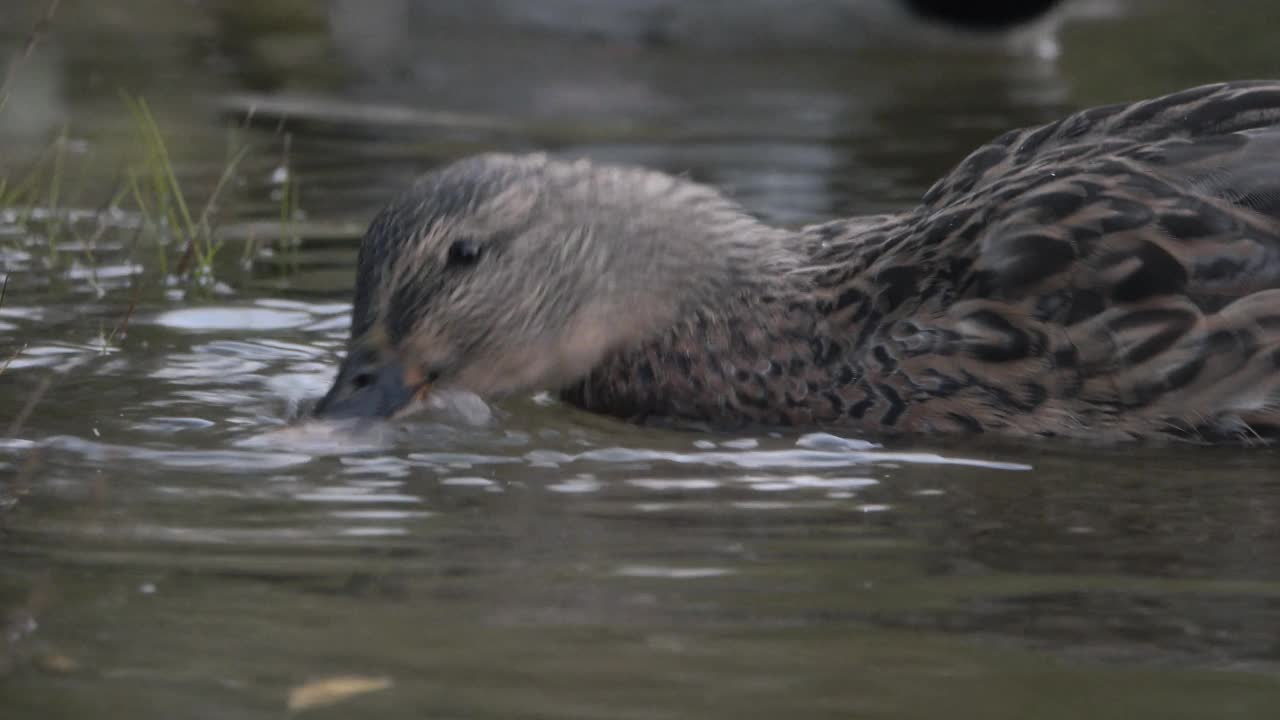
(363,391)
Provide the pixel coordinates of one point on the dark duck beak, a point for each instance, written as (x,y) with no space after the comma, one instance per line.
(372,388)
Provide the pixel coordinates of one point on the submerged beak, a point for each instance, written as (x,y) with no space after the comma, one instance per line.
(381,389)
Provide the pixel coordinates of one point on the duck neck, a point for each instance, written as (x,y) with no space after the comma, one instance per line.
(732,357)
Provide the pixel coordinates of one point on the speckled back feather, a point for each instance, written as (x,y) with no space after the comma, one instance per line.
(1114,275)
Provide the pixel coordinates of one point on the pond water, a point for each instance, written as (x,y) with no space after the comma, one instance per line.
(170,549)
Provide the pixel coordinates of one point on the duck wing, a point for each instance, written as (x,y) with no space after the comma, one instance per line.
(1113,273)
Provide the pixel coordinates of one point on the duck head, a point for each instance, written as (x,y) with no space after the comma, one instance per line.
(500,274)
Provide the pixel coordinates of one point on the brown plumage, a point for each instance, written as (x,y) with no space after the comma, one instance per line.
(1111,276)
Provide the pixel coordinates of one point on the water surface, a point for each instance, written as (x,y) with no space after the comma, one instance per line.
(166,552)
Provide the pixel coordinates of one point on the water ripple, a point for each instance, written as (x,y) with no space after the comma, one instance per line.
(672,573)
(225,460)
(762,459)
(231,318)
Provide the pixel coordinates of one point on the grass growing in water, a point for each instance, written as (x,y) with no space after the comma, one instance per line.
(160,199)
(176,226)
(45,213)
(45,209)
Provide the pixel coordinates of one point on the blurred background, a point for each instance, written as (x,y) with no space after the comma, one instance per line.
(803,108)
(183,185)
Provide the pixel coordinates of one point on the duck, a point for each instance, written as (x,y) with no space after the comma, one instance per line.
(1110,277)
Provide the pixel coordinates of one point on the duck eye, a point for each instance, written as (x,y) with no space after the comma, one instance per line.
(464,252)
(363,380)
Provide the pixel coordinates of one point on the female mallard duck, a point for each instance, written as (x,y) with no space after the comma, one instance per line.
(1113,275)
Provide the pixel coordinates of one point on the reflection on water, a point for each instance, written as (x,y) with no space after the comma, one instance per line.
(174,544)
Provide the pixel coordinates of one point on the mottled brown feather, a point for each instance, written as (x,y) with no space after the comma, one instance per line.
(1111,276)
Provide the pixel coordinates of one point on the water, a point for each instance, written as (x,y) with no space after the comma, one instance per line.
(170,547)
